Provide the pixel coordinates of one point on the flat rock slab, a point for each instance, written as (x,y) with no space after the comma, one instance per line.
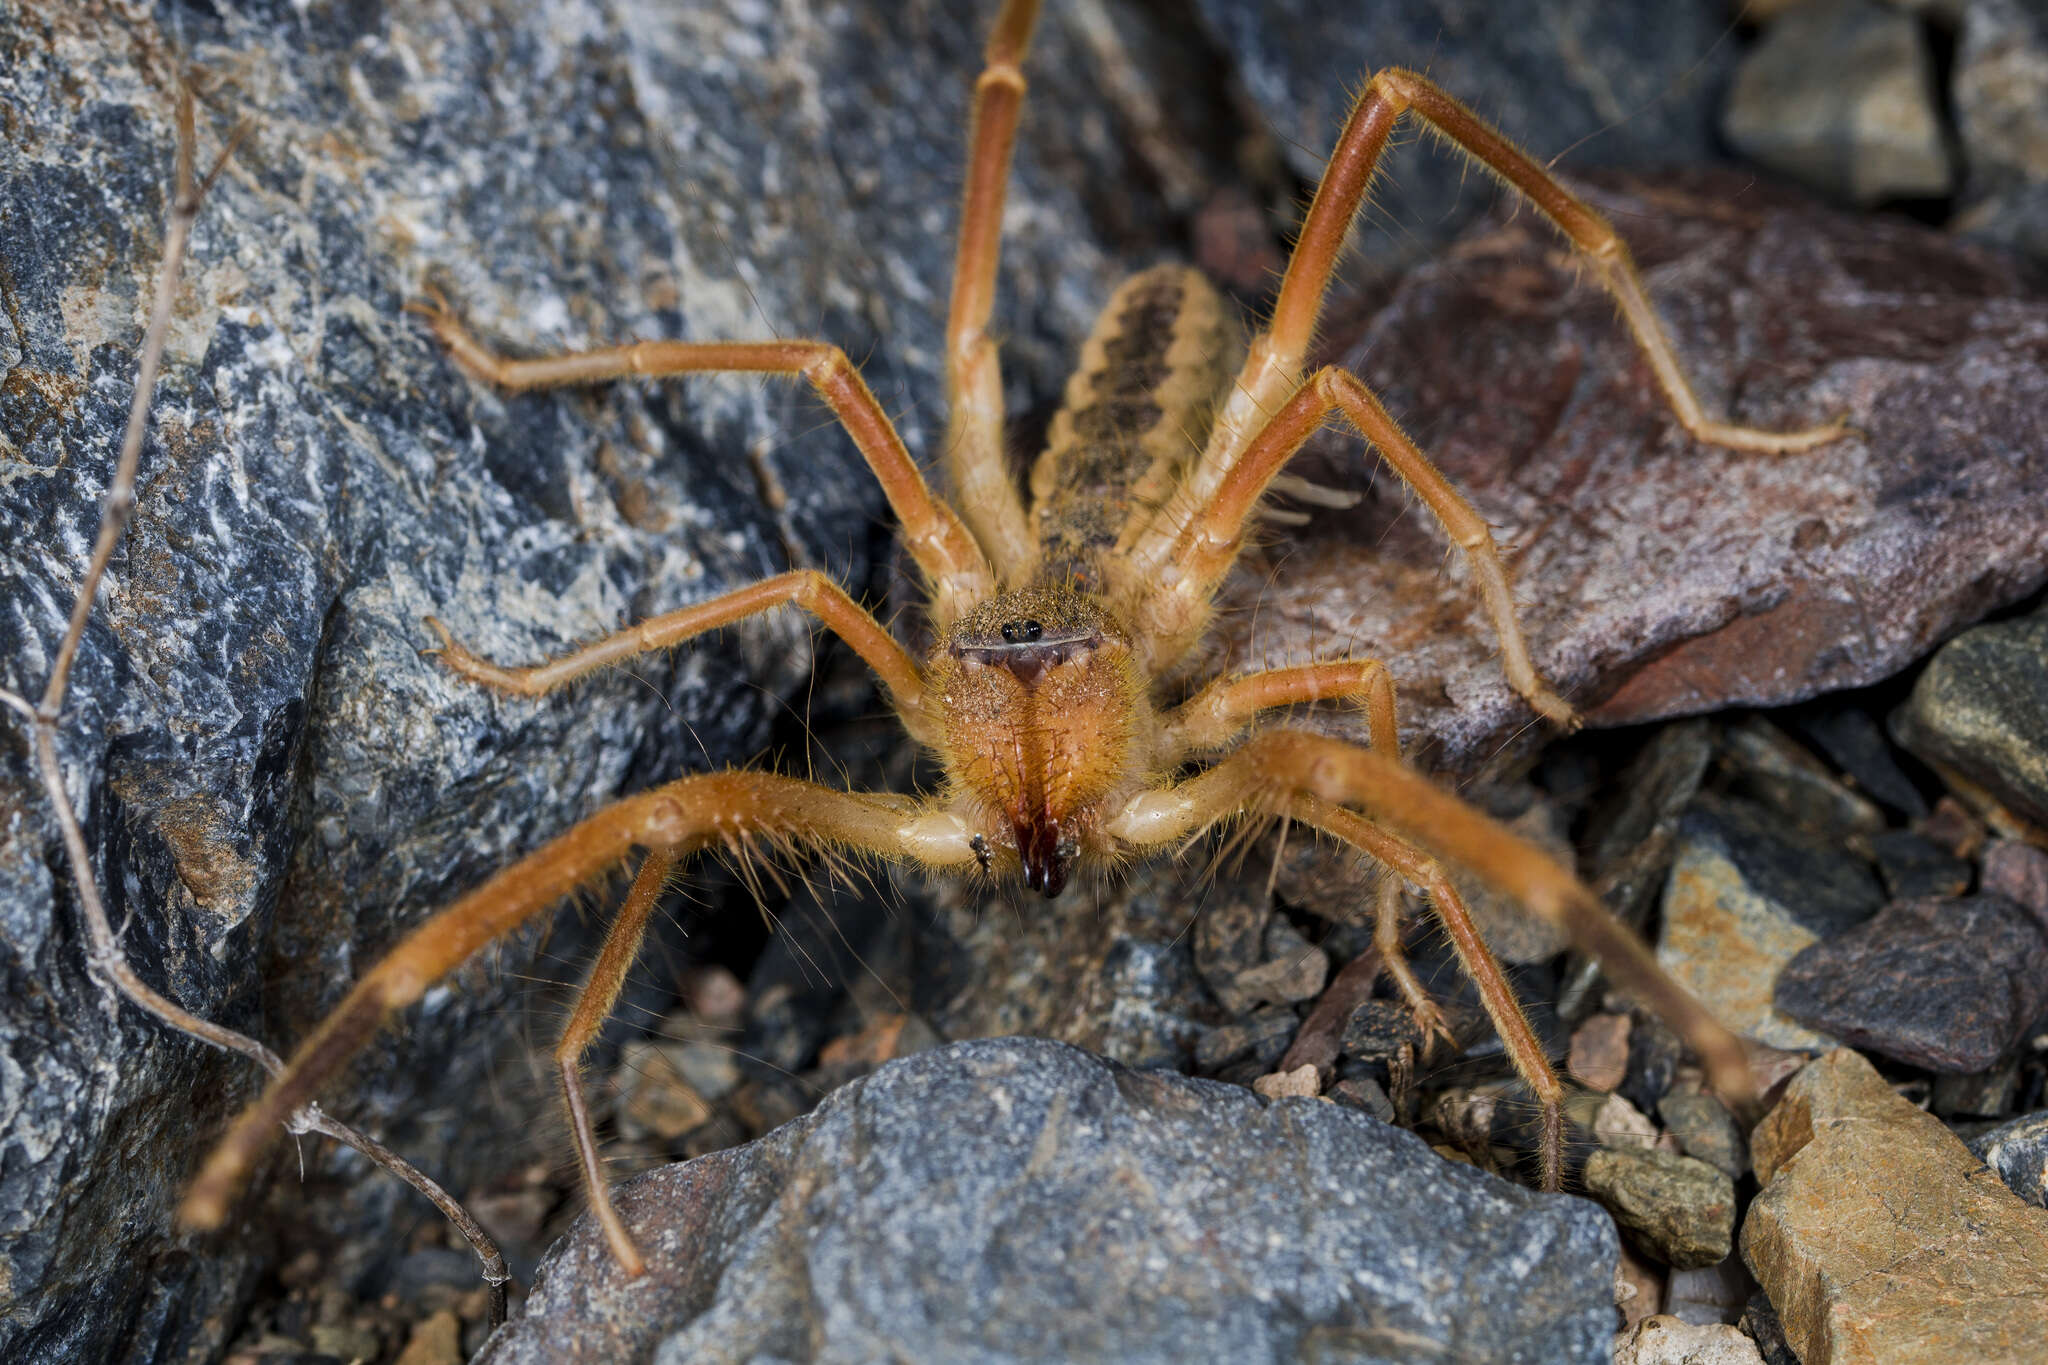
(1879,1237)
(1020,1200)
(1658,576)
(1950,984)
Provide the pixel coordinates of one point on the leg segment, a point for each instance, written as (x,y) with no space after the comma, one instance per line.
(976,461)
(933,534)
(1277,357)
(1176,611)
(1524,1049)
(1271,771)
(593,1007)
(1219,712)
(675,820)
(805,588)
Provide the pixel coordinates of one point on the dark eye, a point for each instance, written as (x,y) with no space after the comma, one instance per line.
(1021,632)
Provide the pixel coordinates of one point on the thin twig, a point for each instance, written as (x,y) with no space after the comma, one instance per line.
(103,953)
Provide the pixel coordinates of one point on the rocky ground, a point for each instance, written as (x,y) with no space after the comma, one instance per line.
(277,784)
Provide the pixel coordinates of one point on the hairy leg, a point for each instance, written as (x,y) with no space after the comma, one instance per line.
(976,462)
(674,820)
(1524,1049)
(593,1006)
(1219,712)
(1276,358)
(1269,772)
(953,566)
(804,588)
(1173,604)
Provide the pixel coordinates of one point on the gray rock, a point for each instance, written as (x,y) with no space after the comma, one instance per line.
(2018,1151)
(1569,79)
(1912,865)
(2000,86)
(1769,765)
(1839,95)
(275,783)
(1856,742)
(1980,710)
(1680,1210)
(1706,1131)
(1948,984)
(1015,1200)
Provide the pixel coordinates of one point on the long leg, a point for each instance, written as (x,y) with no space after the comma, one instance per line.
(675,820)
(1218,713)
(1270,771)
(975,458)
(1173,606)
(1277,357)
(932,532)
(805,588)
(1524,1050)
(593,1007)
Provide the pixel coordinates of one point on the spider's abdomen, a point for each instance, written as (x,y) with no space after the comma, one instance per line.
(1136,413)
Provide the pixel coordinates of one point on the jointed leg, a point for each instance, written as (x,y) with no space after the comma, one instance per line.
(672,821)
(1175,613)
(1523,1048)
(805,588)
(1268,774)
(932,533)
(593,1007)
(1277,357)
(975,458)
(1219,712)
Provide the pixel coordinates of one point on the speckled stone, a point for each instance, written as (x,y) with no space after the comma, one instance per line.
(1015,1200)
(1878,1236)
(1944,983)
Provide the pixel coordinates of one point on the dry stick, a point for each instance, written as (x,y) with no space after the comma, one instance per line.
(104,953)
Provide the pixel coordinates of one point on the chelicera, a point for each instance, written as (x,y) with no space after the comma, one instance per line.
(1062,615)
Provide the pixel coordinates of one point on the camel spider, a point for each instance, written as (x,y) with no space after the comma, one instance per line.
(1049,696)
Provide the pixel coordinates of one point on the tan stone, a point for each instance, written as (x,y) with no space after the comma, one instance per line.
(1599,1055)
(1665,1340)
(1878,1237)
(436,1341)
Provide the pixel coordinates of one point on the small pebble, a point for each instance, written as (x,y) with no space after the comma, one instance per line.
(1365,1093)
(1980,710)
(1617,1123)
(1298,1083)
(1952,825)
(2019,872)
(1776,770)
(1638,1287)
(1666,1340)
(1709,1293)
(1706,1130)
(1913,865)
(1679,1210)
(1599,1055)
(435,1341)
(2018,1151)
(1856,743)
(658,1101)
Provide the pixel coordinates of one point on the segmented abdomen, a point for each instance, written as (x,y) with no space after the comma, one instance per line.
(1137,411)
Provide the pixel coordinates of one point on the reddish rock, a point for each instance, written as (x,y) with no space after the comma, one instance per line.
(1658,576)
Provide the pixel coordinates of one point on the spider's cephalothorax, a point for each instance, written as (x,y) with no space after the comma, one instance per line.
(1060,626)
